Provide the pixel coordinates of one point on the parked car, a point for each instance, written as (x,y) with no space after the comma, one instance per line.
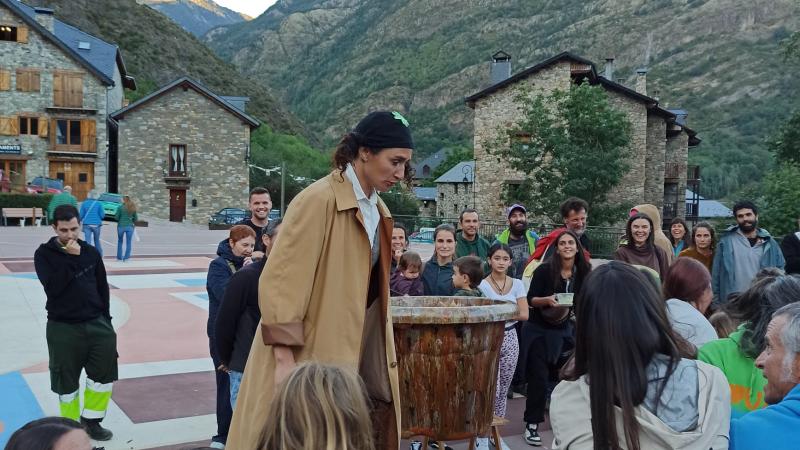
(423,236)
(53,185)
(228,216)
(111,204)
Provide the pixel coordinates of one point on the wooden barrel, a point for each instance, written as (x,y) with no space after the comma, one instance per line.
(448,350)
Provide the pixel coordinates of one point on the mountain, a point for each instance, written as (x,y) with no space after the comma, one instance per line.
(333,60)
(157,51)
(196,16)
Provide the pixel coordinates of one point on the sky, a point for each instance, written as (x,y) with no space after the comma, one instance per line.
(252,8)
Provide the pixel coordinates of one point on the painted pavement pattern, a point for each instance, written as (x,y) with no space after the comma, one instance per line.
(165,395)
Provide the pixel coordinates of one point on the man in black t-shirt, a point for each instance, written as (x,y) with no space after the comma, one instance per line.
(260,204)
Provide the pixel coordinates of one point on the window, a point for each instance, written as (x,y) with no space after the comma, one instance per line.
(12,175)
(74,135)
(177,160)
(60,176)
(29,125)
(83,177)
(68,90)
(28,80)
(8,33)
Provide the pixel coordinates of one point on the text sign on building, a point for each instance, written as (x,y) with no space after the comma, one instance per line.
(10,149)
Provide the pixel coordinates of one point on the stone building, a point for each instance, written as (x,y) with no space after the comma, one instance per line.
(426,196)
(57,85)
(660,138)
(183,152)
(454,190)
(423,170)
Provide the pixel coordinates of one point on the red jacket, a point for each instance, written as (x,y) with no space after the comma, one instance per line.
(546,241)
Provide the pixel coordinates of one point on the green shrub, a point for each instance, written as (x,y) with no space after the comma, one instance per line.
(25,200)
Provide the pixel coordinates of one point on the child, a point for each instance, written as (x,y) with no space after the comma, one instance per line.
(405,280)
(467,275)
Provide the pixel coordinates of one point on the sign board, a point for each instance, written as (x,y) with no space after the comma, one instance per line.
(10,149)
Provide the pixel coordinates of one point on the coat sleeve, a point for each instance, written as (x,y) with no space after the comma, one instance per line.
(55,278)
(102,284)
(228,316)
(790,246)
(286,285)
(219,274)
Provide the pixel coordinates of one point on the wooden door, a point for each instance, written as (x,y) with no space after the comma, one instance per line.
(177,205)
(79,175)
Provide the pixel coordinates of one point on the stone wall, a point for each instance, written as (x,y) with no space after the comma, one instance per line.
(452,198)
(677,152)
(40,53)
(630,190)
(655,161)
(216,143)
(494,113)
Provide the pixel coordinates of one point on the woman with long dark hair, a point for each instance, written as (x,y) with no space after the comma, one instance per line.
(639,248)
(703,243)
(678,236)
(50,433)
(548,335)
(630,385)
(324,294)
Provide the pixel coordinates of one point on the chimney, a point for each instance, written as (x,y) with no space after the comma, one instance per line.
(45,17)
(501,67)
(609,72)
(641,81)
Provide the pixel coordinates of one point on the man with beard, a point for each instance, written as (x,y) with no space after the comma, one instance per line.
(468,241)
(574,212)
(742,250)
(260,205)
(521,240)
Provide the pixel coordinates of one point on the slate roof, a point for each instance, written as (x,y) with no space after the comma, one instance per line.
(425,193)
(100,58)
(431,161)
(458,172)
(188,83)
(709,208)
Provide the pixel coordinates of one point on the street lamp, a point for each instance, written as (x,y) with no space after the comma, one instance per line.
(469,176)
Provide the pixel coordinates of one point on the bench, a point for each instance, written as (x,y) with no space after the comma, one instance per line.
(22,214)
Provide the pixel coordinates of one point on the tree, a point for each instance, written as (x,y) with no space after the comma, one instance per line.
(401,202)
(568,143)
(781,209)
(785,144)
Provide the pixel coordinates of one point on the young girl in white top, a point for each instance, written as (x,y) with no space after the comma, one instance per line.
(500,286)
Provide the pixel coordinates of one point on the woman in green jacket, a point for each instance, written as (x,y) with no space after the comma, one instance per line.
(126,217)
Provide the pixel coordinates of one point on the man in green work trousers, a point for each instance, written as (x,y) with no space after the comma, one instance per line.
(79,331)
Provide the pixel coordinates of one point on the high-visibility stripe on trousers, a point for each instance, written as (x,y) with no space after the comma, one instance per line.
(70,406)
(95,399)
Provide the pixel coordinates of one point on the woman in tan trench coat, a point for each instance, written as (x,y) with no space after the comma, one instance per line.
(324,293)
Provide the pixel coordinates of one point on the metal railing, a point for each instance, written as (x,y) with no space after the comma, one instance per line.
(604,240)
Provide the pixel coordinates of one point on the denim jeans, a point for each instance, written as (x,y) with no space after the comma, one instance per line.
(127,233)
(91,234)
(236,380)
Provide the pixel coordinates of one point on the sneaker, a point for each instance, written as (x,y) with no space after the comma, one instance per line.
(435,446)
(215,444)
(415,445)
(95,430)
(531,434)
(482,443)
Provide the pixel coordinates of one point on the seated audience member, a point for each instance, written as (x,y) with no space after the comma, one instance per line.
(775,427)
(406,280)
(467,276)
(687,291)
(631,385)
(319,407)
(239,314)
(736,354)
(640,247)
(50,433)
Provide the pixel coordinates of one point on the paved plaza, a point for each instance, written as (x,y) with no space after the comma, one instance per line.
(165,395)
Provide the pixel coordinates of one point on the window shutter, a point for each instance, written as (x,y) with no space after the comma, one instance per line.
(59,91)
(89,135)
(5,80)
(9,126)
(22,34)
(23,80)
(74,91)
(53,133)
(43,127)
(35,80)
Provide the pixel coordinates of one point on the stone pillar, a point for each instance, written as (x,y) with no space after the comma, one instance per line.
(655,161)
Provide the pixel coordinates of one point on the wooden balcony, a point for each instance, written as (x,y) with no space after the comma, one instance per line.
(673,171)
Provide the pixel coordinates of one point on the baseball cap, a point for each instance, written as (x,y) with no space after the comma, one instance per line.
(513,207)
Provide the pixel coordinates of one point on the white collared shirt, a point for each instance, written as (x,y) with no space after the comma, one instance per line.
(367,205)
